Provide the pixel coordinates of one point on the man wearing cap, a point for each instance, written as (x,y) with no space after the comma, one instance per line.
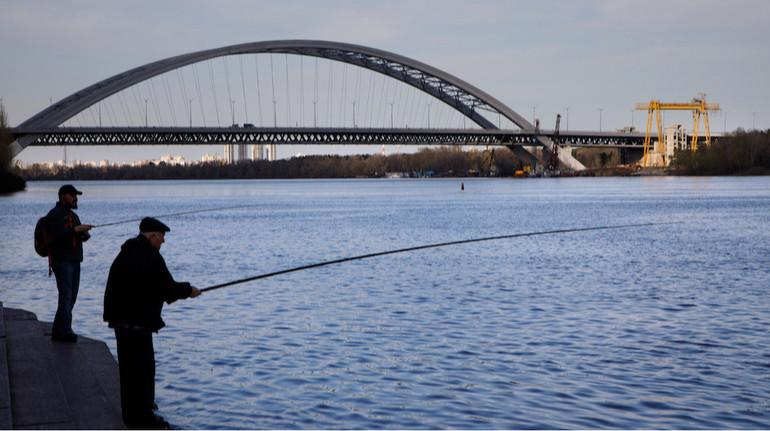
(66,253)
(138,284)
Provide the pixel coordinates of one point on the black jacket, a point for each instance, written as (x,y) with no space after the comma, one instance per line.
(138,284)
(67,245)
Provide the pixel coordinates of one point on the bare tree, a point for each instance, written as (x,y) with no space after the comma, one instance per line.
(5,141)
(9,181)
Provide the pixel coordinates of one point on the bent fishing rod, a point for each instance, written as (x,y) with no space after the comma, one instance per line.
(422,247)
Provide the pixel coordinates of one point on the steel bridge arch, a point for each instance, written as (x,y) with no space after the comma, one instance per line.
(455,92)
(446,87)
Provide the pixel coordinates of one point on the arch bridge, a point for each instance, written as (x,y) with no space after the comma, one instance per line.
(45,127)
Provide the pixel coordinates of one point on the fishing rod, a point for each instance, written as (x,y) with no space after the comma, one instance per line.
(133,220)
(421,247)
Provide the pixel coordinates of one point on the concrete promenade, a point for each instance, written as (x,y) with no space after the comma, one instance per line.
(48,385)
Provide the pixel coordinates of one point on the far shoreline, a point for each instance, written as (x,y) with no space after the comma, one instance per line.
(636,175)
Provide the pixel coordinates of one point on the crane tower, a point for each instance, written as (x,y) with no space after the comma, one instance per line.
(699,109)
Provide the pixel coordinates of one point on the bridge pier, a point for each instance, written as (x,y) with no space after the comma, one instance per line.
(15,148)
(534,155)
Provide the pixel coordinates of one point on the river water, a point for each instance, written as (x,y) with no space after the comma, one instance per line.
(663,326)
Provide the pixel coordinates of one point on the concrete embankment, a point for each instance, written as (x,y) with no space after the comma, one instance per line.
(50,385)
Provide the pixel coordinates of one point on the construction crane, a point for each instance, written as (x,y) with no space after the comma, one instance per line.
(699,109)
(553,160)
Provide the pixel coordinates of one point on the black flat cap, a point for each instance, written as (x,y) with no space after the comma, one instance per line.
(149,224)
(69,189)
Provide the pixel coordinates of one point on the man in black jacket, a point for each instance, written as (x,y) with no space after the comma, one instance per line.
(138,284)
(65,254)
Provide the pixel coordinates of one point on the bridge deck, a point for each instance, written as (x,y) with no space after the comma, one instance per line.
(318,136)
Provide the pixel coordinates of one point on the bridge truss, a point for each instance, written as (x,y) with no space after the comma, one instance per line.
(98,136)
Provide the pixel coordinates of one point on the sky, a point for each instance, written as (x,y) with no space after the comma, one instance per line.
(597,57)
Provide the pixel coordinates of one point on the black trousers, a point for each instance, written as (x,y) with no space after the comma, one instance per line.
(136,360)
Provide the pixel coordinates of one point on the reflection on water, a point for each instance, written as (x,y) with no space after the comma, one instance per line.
(659,327)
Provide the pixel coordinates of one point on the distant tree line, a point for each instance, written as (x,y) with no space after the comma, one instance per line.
(9,180)
(442,161)
(745,153)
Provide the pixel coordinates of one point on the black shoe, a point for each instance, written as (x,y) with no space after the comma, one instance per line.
(65,338)
(151,422)
(158,422)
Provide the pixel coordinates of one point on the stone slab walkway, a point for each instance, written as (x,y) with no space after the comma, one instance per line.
(48,385)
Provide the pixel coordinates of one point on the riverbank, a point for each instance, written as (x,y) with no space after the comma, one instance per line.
(47,385)
(11,183)
(222,172)
(746,153)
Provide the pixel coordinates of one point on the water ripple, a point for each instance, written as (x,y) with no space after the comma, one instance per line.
(662,327)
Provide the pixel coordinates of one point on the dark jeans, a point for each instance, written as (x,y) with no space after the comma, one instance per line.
(67,283)
(136,360)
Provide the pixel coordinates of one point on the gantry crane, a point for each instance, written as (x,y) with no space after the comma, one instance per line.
(699,108)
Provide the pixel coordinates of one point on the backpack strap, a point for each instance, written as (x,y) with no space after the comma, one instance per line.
(48,242)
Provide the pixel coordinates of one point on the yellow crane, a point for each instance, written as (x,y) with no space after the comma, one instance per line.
(699,109)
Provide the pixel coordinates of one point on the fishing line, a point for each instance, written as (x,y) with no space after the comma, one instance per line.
(177,214)
(422,247)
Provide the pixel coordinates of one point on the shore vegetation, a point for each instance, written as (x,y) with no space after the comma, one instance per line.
(429,162)
(10,181)
(746,153)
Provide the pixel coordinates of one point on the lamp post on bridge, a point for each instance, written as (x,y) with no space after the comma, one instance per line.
(275,115)
(600,118)
(232,110)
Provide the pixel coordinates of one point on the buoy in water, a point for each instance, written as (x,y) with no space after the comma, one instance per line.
(462,186)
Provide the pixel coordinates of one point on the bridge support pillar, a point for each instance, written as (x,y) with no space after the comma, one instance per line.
(565,156)
(529,154)
(15,148)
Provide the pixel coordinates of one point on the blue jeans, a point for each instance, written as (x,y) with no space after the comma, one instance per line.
(67,282)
